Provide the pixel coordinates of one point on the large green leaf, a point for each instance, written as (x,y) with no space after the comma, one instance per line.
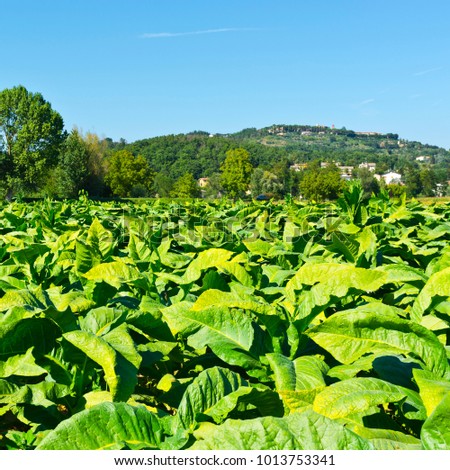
(229,333)
(334,279)
(386,439)
(298,381)
(298,431)
(86,257)
(20,298)
(14,394)
(435,433)
(329,281)
(258,246)
(139,250)
(438,286)
(214,297)
(115,273)
(401,273)
(21,365)
(206,392)
(101,320)
(205,260)
(123,343)
(106,426)
(120,373)
(350,334)
(432,389)
(75,300)
(303,373)
(99,238)
(356,396)
(21,329)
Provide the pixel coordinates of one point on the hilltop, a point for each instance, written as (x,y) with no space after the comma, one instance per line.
(200,153)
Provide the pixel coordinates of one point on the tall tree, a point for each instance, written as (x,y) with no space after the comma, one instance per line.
(31,133)
(265,182)
(321,183)
(214,188)
(236,172)
(125,171)
(162,185)
(368,182)
(97,163)
(428,180)
(73,165)
(284,175)
(256,181)
(185,186)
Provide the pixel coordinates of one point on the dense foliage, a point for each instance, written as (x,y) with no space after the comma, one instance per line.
(201,154)
(167,325)
(31,134)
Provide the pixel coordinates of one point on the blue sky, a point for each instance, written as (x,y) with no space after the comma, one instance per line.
(141,68)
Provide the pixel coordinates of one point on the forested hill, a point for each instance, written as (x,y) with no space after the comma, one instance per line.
(201,153)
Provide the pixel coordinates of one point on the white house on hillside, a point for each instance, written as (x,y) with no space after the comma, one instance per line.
(423,158)
(369,166)
(392,177)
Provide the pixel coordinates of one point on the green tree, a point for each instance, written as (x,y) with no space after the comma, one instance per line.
(395,190)
(214,188)
(368,182)
(428,180)
(185,186)
(72,172)
(236,172)
(321,183)
(31,133)
(263,181)
(162,185)
(256,182)
(284,175)
(412,180)
(125,171)
(97,163)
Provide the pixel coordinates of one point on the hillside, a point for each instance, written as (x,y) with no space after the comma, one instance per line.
(201,153)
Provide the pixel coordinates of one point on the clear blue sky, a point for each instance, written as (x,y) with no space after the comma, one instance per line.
(142,68)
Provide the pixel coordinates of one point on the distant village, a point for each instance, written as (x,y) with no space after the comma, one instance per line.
(347,171)
(307,133)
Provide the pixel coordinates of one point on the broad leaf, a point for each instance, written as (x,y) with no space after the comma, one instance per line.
(21,365)
(229,333)
(438,286)
(432,389)
(106,426)
(205,260)
(298,431)
(350,334)
(115,273)
(21,329)
(298,381)
(99,238)
(206,392)
(214,297)
(356,396)
(387,439)
(435,433)
(335,279)
(120,373)
(101,320)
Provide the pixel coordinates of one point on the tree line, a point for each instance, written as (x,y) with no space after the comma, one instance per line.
(39,157)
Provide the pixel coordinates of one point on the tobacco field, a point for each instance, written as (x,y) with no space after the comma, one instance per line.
(220,325)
